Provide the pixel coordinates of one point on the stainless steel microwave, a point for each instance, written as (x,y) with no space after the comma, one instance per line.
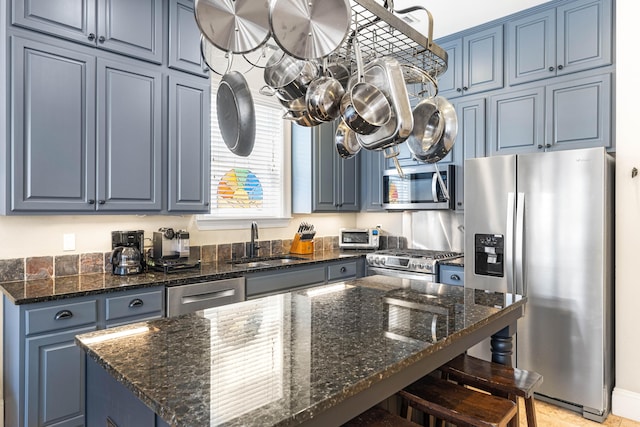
(419,189)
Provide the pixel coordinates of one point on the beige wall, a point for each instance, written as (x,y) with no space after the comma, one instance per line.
(626,396)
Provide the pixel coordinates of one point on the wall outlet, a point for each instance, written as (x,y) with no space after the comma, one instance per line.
(69,242)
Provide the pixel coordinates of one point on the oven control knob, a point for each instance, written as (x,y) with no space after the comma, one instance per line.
(376,260)
(421,266)
(383,261)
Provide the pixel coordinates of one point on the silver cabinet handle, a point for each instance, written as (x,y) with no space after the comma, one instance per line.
(209,295)
(63,314)
(137,302)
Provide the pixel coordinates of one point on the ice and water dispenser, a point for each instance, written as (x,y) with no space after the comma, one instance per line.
(489,255)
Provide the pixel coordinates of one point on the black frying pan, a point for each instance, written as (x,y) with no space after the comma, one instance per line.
(236,114)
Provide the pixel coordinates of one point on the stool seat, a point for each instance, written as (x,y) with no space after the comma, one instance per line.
(457,404)
(496,379)
(378,417)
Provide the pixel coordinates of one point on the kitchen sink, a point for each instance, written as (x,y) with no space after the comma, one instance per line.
(265,261)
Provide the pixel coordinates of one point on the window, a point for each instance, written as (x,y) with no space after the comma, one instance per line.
(244,189)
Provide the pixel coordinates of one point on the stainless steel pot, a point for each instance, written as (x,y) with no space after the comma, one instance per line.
(435,131)
(323,98)
(364,107)
(347,144)
(290,77)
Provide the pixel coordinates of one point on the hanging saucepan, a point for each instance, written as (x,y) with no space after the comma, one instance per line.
(434,131)
(364,107)
(236,114)
(347,144)
(237,26)
(309,29)
(323,98)
(290,77)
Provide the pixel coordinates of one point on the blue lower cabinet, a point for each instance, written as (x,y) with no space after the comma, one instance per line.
(55,379)
(452,274)
(111,404)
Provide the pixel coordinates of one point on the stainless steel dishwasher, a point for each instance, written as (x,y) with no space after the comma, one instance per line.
(185,299)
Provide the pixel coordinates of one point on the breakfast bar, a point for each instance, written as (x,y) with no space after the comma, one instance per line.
(314,357)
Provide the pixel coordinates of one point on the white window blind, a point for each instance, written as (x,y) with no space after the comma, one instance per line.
(253,186)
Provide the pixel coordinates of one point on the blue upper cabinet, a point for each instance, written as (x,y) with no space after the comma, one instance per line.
(475,63)
(184,39)
(133,28)
(573,37)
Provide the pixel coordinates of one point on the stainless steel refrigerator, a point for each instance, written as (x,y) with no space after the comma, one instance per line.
(542,225)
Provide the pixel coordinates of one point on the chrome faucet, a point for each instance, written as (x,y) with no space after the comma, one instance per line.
(253,246)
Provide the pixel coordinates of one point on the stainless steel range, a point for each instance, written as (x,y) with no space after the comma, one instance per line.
(420,264)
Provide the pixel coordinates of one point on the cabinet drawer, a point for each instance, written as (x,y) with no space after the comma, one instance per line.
(285,281)
(60,316)
(134,304)
(452,275)
(342,271)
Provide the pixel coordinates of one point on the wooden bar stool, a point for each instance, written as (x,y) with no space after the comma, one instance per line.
(496,379)
(378,417)
(457,404)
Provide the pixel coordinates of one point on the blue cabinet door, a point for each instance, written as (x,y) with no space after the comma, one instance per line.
(133,28)
(189,145)
(55,379)
(372,164)
(184,39)
(450,83)
(129,144)
(471,139)
(573,37)
(579,113)
(517,121)
(53,127)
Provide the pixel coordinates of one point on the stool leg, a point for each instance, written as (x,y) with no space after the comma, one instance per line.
(515,421)
(530,407)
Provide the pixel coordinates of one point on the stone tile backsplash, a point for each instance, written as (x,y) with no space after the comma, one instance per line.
(33,268)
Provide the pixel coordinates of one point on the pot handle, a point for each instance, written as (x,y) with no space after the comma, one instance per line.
(392,153)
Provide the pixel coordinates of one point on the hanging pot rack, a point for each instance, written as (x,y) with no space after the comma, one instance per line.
(382,32)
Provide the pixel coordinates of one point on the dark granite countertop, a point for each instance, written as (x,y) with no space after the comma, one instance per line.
(32,291)
(292,358)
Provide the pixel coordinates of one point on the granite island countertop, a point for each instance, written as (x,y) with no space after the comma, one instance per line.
(39,290)
(297,357)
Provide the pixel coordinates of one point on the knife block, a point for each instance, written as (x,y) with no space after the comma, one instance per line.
(301,247)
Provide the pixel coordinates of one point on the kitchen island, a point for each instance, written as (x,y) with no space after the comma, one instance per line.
(317,356)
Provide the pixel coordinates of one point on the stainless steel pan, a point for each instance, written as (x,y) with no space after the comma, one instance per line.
(347,144)
(288,76)
(236,114)
(435,131)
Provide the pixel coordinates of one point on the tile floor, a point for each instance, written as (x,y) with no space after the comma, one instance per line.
(553,416)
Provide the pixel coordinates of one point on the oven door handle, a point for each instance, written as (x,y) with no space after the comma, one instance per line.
(403,274)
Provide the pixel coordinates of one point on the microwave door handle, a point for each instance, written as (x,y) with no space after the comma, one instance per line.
(508,244)
(519,245)
(437,176)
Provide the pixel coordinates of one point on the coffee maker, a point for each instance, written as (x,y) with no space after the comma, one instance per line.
(127,256)
(171,251)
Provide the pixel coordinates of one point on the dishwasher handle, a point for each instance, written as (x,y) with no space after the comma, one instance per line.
(188,298)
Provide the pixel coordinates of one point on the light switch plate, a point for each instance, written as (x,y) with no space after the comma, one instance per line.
(69,242)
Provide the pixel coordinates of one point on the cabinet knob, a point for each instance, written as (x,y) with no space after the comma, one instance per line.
(101,202)
(465,88)
(92,202)
(63,314)
(560,67)
(547,145)
(343,269)
(206,203)
(136,302)
(101,39)
(91,36)
(455,277)
(459,203)
(458,90)
(539,146)
(551,68)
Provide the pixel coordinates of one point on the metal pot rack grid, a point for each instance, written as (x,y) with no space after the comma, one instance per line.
(381,32)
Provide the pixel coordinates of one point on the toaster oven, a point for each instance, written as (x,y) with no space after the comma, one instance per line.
(359,238)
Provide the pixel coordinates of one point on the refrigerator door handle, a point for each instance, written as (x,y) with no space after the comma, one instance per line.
(508,242)
(519,245)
